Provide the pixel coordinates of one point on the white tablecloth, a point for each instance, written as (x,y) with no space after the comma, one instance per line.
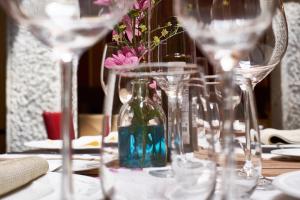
(141,185)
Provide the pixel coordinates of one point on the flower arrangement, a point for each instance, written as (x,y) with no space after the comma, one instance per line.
(133,41)
(131,34)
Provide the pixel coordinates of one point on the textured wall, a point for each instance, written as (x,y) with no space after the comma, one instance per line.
(2,71)
(286,79)
(33,86)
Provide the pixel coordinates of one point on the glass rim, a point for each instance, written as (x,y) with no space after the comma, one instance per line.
(155,69)
(200,82)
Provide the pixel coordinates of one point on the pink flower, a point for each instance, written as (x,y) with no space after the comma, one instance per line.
(127,21)
(129,27)
(142,4)
(126,56)
(129,51)
(102,2)
(141,50)
(153,84)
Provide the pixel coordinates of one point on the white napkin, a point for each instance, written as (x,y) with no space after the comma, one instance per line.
(275,136)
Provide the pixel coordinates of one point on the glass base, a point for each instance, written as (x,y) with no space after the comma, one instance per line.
(264,184)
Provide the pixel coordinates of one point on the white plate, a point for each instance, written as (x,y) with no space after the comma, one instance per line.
(77,165)
(48,188)
(83,165)
(242,140)
(85,142)
(239,126)
(289,183)
(287,152)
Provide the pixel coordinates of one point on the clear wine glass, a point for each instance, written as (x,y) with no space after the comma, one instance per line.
(69,27)
(168,83)
(257,64)
(244,183)
(193,162)
(225,30)
(183,52)
(268,51)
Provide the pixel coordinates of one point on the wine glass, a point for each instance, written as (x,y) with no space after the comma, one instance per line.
(69,27)
(193,162)
(168,83)
(257,64)
(225,30)
(244,183)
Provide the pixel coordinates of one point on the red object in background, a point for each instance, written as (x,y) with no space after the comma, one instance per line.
(52,124)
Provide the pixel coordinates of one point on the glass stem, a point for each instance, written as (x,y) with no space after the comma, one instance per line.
(108,194)
(66,63)
(171,123)
(227,134)
(252,104)
(250,113)
(247,149)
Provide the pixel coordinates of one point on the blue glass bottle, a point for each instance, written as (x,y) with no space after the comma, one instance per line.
(141,130)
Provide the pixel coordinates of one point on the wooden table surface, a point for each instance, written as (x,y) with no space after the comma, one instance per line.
(279,165)
(271,165)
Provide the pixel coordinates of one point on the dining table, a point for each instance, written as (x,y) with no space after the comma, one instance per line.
(140,184)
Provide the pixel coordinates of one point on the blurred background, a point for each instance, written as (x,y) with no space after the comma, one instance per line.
(90,94)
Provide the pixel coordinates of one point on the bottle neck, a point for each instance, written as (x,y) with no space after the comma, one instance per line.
(140,88)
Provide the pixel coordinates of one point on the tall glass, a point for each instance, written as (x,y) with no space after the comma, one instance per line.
(225,30)
(193,160)
(257,64)
(69,27)
(177,49)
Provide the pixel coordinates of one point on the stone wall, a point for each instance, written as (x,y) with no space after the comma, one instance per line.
(2,72)
(286,78)
(33,86)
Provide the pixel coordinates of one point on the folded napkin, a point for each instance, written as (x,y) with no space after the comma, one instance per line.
(275,136)
(15,173)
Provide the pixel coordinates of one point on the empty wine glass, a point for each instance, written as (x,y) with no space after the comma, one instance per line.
(168,82)
(257,64)
(268,51)
(69,27)
(193,160)
(177,49)
(225,30)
